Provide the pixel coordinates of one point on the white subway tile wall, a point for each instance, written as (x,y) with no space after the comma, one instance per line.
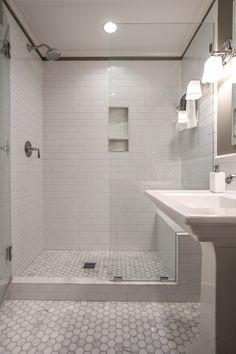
(166,244)
(89,193)
(26,173)
(150,91)
(197,144)
(76,175)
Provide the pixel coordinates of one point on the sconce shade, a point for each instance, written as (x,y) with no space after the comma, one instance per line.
(213,69)
(234,70)
(194,90)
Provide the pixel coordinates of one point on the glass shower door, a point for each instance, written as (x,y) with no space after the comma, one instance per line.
(134,145)
(145,147)
(5,216)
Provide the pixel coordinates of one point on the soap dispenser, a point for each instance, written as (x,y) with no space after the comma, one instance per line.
(217,180)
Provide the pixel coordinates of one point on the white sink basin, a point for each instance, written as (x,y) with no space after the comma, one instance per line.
(211,219)
(201,213)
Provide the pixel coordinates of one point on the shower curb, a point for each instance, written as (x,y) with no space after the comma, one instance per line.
(38,289)
(186,289)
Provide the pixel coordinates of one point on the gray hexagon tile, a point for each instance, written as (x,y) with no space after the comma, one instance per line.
(66,327)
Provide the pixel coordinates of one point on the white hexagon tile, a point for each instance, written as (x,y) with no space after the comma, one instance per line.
(145,265)
(61,327)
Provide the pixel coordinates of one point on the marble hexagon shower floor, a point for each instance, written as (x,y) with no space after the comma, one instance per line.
(131,265)
(61,327)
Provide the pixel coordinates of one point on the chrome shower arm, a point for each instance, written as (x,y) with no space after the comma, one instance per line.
(36,149)
(31,47)
(51,53)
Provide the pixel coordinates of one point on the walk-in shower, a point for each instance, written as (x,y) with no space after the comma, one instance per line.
(107,133)
(112,135)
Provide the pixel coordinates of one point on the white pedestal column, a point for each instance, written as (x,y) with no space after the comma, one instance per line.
(218,300)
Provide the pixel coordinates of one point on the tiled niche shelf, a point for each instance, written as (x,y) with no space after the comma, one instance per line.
(118,129)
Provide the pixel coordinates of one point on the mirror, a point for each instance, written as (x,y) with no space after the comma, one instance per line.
(233,138)
(226,142)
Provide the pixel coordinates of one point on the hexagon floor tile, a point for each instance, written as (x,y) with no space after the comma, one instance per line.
(52,327)
(134,265)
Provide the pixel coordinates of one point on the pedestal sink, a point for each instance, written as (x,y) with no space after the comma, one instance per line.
(211,219)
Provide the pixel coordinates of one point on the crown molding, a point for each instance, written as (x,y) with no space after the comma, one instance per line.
(15,11)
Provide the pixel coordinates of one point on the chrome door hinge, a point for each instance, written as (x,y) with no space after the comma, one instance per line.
(5,148)
(7,49)
(9,253)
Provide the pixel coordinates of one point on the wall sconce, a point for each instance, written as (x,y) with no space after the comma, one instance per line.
(213,70)
(194,90)
(213,67)
(182,114)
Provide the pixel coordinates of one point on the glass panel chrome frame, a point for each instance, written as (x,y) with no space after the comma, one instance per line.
(5,208)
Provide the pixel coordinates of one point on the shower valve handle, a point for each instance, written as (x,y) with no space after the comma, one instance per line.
(36,149)
(29,149)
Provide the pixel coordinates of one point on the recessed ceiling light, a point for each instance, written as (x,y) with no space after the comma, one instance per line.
(110,27)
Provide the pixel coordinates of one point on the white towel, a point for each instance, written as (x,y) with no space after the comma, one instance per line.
(191,109)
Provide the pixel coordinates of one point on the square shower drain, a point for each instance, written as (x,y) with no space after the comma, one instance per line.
(89,265)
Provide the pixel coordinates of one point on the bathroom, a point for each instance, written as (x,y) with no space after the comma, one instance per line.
(118,163)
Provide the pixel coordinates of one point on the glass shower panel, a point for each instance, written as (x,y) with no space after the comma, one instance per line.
(5,216)
(145,147)
(137,163)
(136,155)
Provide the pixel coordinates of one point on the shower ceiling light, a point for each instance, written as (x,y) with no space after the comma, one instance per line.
(110,27)
(194,90)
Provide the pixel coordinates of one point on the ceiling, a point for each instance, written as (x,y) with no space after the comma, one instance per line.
(75,26)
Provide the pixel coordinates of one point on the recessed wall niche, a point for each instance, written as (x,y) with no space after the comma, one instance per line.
(118,129)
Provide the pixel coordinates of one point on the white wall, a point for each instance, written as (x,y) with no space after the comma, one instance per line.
(197,144)
(26,173)
(90,193)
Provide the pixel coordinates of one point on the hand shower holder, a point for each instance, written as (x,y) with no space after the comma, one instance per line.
(29,149)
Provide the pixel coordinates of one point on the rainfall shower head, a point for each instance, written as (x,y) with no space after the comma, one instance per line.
(51,54)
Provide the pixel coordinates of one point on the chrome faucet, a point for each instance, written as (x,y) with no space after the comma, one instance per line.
(229,179)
